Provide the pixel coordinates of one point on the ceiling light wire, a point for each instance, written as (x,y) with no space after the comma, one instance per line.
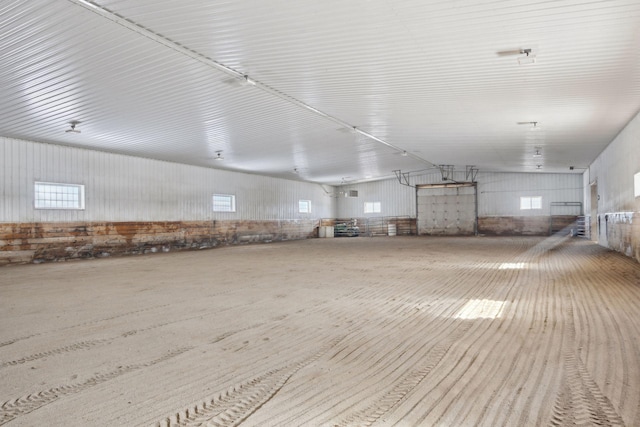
(119,19)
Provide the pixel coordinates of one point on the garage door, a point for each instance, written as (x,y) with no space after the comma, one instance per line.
(447,210)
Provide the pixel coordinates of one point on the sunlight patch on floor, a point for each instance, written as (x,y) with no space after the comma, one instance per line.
(512,266)
(481,309)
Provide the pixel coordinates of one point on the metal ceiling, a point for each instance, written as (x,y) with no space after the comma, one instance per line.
(341,88)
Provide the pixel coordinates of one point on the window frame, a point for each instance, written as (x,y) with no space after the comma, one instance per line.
(375,207)
(532,203)
(230,197)
(308,206)
(38,201)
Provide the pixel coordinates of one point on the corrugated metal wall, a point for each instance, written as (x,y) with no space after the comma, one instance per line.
(395,199)
(614,221)
(498,194)
(613,171)
(125,188)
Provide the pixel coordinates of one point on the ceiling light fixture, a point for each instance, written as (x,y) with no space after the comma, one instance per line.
(405,154)
(528,59)
(528,123)
(219,156)
(538,152)
(73,129)
(538,167)
(295,171)
(135,27)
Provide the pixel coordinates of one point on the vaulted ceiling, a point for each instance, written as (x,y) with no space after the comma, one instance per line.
(324,91)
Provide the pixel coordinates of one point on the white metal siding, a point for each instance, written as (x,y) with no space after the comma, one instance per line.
(614,169)
(125,188)
(395,199)
(498,193)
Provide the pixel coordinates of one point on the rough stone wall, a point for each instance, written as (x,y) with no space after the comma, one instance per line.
(40,242)
(524,225)
(620,231)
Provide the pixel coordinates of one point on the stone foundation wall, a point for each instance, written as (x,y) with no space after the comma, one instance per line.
(524,225)
(620,231)
(40,242)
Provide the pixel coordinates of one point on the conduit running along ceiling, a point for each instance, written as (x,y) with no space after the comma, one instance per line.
(342,88)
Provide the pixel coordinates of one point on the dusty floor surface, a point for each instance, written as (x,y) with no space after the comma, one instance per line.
(338,332)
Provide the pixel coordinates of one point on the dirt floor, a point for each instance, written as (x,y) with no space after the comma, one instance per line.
(399,331)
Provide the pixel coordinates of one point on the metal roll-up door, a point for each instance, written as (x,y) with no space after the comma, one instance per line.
(447,209)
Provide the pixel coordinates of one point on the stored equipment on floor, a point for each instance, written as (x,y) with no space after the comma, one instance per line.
(346,228)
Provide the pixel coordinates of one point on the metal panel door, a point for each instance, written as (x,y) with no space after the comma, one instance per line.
(447,210)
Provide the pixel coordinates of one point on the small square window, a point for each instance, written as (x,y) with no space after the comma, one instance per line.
(372,207)
(527,203)
(304,206)
(224,203)
(49,195)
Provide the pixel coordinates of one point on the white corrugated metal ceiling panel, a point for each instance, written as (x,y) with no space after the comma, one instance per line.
(437,79)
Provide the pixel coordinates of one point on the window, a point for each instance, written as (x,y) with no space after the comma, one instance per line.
(304,206)
(224,203)
(530,202)
(372,207)
(636,184)
(50,195)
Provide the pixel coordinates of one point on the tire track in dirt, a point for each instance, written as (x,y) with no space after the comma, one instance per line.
(79,325)
(604,316)
(475,364)
(232,407)
(389,369)
(86,345)
(622,329)
(552,339)
(508,361)
(539,373)
(14,408)
(82,345)
(384,367)
(404,313)
(580,401)
(228,334)
(387,402)
(110,318)
(14,340)
(512,365)
(325,310)
(480,371)
(380,366)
